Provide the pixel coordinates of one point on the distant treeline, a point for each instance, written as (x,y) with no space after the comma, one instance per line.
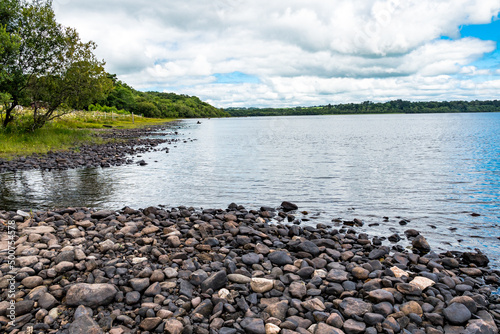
(368,107)
(155,104)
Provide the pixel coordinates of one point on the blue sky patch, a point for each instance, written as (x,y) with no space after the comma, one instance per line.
(235,78)
(490,31)
(486,32)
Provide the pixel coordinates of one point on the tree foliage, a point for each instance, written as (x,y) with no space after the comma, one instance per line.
(368,107)
(162,105)
(51,65)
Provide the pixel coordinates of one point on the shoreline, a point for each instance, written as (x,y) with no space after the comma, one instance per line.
(123,143)
(229,271)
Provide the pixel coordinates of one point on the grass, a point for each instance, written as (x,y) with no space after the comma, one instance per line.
(67,132)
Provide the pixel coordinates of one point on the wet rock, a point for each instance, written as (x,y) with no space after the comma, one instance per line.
(479,259)
(288,206)
(421,244)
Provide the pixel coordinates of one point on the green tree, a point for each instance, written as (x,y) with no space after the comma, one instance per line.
(52,66)
(78,80)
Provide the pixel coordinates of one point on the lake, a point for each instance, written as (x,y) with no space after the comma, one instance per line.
(433,170)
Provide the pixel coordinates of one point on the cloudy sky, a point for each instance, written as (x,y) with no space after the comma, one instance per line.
(235,53)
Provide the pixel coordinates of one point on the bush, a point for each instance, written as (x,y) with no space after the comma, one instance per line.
(106,109)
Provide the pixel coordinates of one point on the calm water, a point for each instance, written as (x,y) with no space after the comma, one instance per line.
(434,170)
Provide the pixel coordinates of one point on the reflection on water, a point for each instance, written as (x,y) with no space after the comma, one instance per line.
(37,189)
(434,170)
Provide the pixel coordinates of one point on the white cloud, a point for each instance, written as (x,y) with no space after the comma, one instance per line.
(303,52)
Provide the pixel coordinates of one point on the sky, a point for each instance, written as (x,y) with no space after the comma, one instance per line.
(274,53)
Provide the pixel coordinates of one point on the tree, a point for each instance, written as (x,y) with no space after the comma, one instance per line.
(9,46)
(52,65)
(78,80)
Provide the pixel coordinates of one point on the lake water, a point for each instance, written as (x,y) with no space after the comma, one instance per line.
(431,169)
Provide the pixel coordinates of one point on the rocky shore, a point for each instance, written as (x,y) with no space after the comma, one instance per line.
(182,270)
(127,143)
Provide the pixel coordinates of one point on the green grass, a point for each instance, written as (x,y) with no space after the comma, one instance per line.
(64,133)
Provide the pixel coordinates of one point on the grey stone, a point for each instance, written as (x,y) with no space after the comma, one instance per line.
(337,276)
(84,325)
(91,295)
(102,214)
(421,244)
(322,328)
(132,297)
(354,306)
(354,327)
(280,258)
(150,324)
(32,281)
(173,326)
(215,281)
(379,253)
(373,318)
(297,289)
(47,301)
(205,308)
(153,290)
(314,304)
(278,310)
(250,258)
(139,284)
(381,295)
(253,325)
(457,314)
(309,247)
(198,277)
(238,278)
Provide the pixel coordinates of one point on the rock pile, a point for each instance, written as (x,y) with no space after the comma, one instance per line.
(232,271)
(118,152)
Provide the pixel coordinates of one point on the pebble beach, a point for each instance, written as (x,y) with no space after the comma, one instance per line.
(234,270)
